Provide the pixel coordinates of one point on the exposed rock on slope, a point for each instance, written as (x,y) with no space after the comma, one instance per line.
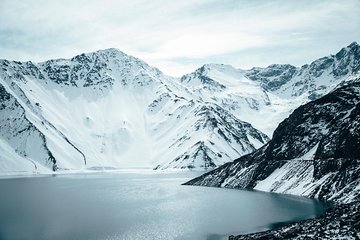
(315,79)
(226,137)
(313,153)
(341,222)
(20,137)
(266,96)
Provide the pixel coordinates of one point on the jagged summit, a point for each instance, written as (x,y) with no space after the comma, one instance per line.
(311,80)
(354,46)
(100,69)
(112,51)
(112,54)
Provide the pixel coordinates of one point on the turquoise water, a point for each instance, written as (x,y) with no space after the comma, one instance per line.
(142,205)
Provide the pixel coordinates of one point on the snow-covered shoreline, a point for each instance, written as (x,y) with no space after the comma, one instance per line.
(28,174)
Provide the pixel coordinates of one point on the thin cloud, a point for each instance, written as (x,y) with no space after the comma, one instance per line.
(164,33)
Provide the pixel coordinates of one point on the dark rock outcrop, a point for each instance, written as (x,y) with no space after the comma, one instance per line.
(324,130)
(342,222)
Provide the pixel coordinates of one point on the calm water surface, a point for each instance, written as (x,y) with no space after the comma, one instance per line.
(140,205)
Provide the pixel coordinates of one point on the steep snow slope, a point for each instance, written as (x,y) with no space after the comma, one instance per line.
(24,143)
(313,153)
(108,109)
(211,137)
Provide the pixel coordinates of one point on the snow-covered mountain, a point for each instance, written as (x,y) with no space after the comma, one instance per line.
(109,110)
(266,96)
(314,153)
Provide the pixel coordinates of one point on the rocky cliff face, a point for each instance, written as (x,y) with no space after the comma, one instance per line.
(21,138)
(314,79)
(313,153)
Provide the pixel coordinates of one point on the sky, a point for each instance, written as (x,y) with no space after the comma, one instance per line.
(180,36)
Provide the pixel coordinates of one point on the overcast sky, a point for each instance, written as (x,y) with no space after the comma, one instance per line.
(180,36)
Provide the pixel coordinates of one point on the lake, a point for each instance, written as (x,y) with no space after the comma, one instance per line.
(138,205)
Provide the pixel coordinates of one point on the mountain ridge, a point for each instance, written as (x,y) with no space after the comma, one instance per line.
(313,153)
(107,108)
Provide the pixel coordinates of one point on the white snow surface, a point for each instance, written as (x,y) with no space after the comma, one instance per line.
(13,164)
(295,177)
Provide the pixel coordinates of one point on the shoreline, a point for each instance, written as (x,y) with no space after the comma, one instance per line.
(336,214)
(27,174)
(342,221)
(272,232)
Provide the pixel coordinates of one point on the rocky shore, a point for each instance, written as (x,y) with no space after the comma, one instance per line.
(339,222)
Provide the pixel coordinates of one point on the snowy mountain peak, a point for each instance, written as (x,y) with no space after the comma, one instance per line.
(201,78)
(97,70)
(208,68)
(313,80)
(353,47)
(215,78)
(103,54)
(112,51)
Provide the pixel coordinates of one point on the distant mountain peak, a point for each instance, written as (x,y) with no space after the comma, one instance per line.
(104,55)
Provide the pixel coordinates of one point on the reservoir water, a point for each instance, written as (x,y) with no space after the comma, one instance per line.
(138,205)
